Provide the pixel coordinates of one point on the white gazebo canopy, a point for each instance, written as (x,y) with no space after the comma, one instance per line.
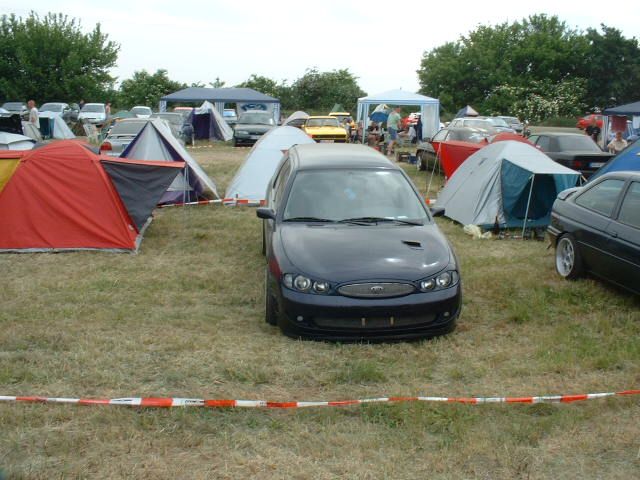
(429,108)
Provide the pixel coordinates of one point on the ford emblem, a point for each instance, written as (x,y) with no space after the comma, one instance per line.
(377,289)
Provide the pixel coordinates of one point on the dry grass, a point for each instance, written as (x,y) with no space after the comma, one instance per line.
(184,318)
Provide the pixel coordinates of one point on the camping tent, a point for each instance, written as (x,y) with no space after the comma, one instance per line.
(208,123)
(13,141)
(467,111)
(244,98)
(296,119)
(63,196)
(511,183)
(429,108)
(53,126)
(156,142)
(628,159)
(630,109)
(251,180)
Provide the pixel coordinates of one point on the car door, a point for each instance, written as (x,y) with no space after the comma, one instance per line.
(438,138)
(274,197)
(594,209)
(624,240)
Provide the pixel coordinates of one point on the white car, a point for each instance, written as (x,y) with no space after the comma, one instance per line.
(93,113)
(141,112)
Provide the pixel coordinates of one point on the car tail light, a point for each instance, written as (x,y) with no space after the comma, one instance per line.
(106,147)
(577,164)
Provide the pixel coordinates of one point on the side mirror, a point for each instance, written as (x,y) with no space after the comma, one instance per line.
(266,213)
(437,211)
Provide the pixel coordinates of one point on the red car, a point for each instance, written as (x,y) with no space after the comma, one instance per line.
(584,122)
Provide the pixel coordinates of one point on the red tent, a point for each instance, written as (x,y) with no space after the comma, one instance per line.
(63,196)
(503,136)
(454,152)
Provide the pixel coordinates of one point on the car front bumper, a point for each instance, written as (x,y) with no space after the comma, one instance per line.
(340,318)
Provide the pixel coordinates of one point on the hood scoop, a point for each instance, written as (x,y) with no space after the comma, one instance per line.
(412,243)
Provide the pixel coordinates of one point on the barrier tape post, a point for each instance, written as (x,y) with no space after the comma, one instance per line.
(167,402)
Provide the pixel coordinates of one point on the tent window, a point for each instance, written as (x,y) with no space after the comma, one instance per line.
(602,197)
(630,210)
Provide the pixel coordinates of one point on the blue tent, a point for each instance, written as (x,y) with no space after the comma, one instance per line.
(628,159)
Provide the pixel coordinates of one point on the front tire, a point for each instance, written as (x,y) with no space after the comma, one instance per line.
(270,315)
(420,162)
(568,260)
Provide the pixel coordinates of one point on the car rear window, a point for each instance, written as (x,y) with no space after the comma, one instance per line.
(602,197)
(630,209)
(127,128)
(580,143)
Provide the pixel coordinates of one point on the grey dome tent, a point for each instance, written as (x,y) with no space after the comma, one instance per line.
(251,180)
(296,119)
(467,111)
(156,142)
(209,124)
(509,182)
(53,126)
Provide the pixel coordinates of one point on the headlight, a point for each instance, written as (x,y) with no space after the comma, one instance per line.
(302,283)
(444,279)
(321,287)
(426,285)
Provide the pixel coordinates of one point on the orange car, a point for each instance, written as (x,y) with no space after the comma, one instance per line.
(584,122)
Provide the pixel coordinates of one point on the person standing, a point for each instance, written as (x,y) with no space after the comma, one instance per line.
(34,115)
(593,130)
(107,109)
(617,144)
(393,125)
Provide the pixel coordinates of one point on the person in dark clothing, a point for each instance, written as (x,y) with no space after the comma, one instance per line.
(593,130)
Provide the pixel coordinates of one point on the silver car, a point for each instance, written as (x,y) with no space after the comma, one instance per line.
(180,127)
(121,135)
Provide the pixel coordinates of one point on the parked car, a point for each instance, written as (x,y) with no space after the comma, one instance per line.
(474,122)
(251,126)
(180,127)
(16,107)
(325,129)
(500,125)
(596,229)
(121,135)
(353,252)
(67,113)
(573,150)
(426,151)
(585,121)
(230,116)
(93,113)
(141,112)
(514,123)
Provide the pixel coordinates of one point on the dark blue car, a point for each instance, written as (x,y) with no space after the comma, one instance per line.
(596,229)
(353,252)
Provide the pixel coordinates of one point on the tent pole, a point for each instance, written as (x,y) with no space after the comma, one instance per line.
(524,224)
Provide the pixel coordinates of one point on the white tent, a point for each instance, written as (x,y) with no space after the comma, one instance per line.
(251,180)
(299,115)
(59,129)
(156,142)
(31,131)
(13,141)
(429,108)
(219,129)
(510,182)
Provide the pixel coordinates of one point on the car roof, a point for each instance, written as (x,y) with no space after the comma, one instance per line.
(560,134)
(340,155)
(635,175)
(94,104)
(321,116)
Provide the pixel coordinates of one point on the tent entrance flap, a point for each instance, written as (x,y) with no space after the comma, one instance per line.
(526,196)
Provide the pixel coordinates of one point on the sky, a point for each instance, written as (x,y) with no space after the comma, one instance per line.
(380,42)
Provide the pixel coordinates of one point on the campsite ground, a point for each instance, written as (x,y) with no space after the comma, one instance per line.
(184,318)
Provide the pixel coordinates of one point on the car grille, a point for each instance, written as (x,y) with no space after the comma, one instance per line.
(376,290)
(329,137)
(374,322)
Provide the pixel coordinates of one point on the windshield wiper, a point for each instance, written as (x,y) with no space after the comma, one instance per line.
(308,219)
(370,220)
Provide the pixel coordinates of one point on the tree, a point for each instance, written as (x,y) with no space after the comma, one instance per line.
(217,83)
(50,58)
(146,89)
(270,87)
(321,90)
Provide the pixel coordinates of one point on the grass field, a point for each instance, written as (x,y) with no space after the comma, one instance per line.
(184,318)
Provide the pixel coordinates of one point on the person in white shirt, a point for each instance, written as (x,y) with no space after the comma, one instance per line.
(617,144)
(34,116)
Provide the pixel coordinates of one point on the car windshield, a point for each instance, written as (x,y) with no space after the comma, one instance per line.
(51,107)
(343,194)
(93,108)
(322,122)
(173,118)
(141,111)
(581,143)
(511,120)
(13,106)
(127,128)
(228,113)
(477,124)
(467,136)
(498,122)
(256,119)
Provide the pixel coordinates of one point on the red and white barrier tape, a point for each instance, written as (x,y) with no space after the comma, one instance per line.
(240,201)
(198,402)
(199,202)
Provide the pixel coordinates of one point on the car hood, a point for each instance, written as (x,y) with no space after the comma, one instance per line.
(580,153)
(347,253)
(253,127)
(91,115)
